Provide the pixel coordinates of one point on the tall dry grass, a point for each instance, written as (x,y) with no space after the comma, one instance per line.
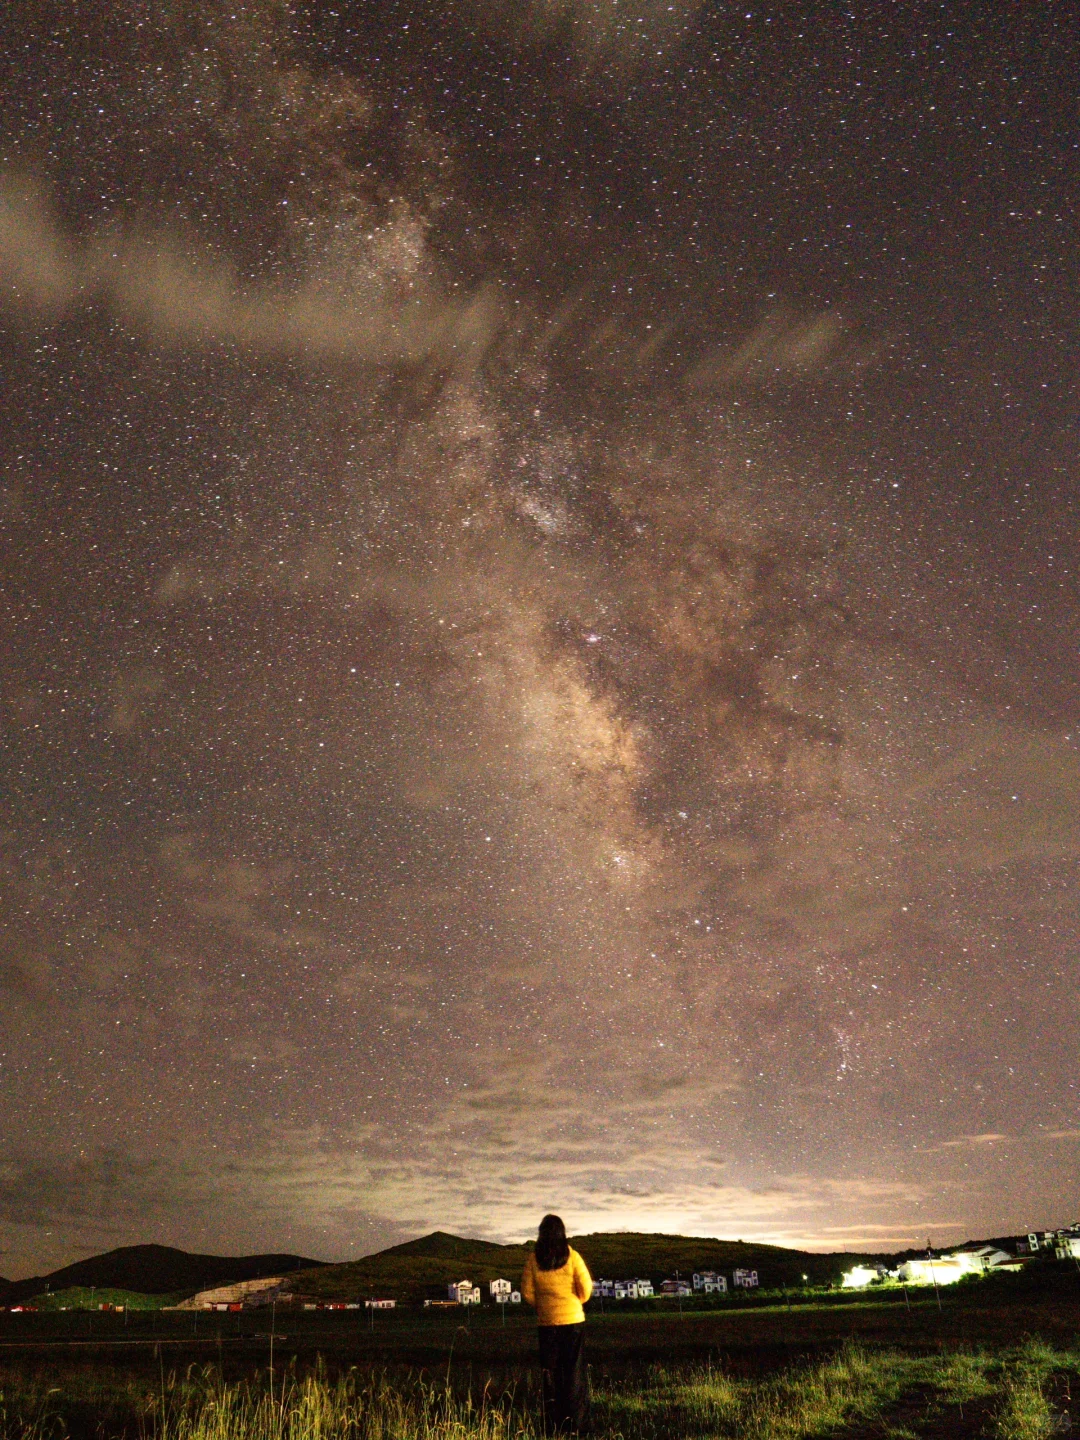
(661,1403)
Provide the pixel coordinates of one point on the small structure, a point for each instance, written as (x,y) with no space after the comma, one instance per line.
(378,1305)
(745,1279)
(604,1289)
(500,1291)
(710,1282)
(674,1287)
(957,1265)
(464,1292)
(515,1297)
(645,1289)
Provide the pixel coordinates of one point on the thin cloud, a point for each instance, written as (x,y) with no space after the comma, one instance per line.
(177,296)
(968,1142)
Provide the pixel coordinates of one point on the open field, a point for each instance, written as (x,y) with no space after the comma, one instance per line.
(992,1361)
(1020,1394)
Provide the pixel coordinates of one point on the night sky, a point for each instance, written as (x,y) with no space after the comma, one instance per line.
(539,631)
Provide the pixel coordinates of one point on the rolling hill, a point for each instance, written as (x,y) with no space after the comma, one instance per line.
(423,1268)
(156,1270)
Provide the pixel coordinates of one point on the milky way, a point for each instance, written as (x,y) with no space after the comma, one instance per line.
(540,628)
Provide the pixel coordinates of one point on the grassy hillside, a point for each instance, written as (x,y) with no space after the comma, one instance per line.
(155,1270)
(421,1268)
(418,1269)
(659,1256)
(79,1297)
(424,1267)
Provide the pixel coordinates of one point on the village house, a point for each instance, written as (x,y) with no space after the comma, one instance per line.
(674,1287)
(377,1305)
(639,1289)
(710,1282)
(948,1269)
(500,1291)
(746,1279)
(464,1292)
(944,1269)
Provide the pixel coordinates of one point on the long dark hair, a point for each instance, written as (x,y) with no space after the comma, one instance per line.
(552,1246)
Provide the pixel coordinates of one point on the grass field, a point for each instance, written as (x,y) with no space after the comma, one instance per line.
(986,1364)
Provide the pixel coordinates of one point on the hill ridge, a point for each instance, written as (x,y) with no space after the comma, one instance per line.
(441,1244)
(153,1269)
(424,1267)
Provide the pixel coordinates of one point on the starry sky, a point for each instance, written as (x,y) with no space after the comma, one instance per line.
(538,621)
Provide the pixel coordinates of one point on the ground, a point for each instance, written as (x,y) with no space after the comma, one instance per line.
(986,1363)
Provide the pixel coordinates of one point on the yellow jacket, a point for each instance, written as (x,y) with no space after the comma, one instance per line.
(557,1295)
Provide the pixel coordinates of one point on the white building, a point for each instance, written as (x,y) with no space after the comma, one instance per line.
(1067,1247)
(377,1305)
(515,1297)
(605,1289)
(746,1279)
(500,1291)
(619,1290)
(948,1269)
(464,1292)
(710,1282)
(644,1289)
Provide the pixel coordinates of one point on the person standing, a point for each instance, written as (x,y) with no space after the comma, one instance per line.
(556,1282)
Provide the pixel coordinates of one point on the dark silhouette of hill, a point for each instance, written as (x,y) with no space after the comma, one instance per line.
(424,1267)
(156,1270)
(440,1245)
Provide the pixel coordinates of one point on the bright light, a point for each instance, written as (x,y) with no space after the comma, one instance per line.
(858,1277)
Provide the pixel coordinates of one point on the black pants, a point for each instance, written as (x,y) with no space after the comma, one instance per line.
(565,1381)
